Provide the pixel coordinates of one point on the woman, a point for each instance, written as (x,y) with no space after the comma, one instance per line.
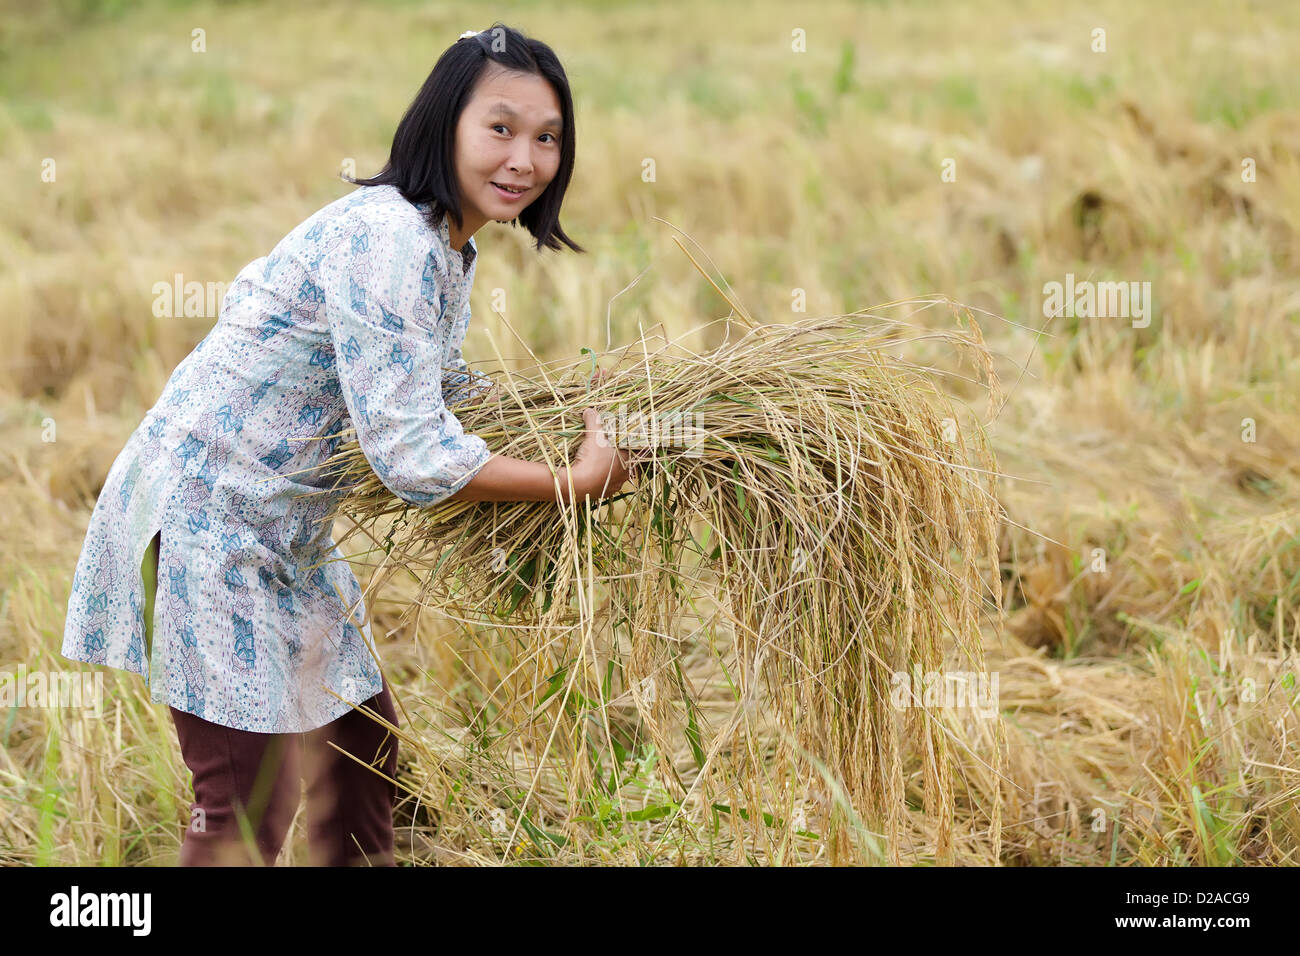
(355,319)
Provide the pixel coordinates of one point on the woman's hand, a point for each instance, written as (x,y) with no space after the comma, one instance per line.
(599,469)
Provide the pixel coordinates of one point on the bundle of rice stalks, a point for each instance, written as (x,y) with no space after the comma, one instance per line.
(810,527)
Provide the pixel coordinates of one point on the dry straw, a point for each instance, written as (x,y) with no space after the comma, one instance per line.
(809,517)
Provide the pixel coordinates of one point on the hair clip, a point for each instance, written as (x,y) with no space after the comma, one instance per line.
(468,33)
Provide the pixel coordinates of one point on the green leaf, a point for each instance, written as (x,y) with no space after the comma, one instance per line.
(692,725)
(652,813)
(592,373)
(538,835)
(553,684)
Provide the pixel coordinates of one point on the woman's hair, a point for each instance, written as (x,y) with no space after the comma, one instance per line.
(422,163)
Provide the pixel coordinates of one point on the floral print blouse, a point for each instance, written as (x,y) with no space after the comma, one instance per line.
(355,319)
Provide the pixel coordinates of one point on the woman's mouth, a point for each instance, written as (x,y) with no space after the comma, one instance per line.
(507,195)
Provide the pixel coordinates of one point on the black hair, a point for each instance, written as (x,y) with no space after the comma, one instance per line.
(422,162)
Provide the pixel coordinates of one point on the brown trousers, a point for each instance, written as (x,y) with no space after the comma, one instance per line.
(247,786)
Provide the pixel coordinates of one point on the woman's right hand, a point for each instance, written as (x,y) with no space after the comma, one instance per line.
(599,469)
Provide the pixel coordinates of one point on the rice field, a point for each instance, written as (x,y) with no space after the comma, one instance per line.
(1110,192)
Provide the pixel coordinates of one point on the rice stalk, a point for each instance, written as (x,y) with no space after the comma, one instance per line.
(810,518)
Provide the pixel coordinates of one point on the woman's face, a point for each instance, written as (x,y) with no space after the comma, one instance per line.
(508,135)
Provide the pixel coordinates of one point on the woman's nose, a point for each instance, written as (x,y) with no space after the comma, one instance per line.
(522,161)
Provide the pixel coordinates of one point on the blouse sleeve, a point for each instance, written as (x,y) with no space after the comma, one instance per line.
(389,341)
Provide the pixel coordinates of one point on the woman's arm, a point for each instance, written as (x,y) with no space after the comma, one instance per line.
(382,308)
(504,478)
(598,470)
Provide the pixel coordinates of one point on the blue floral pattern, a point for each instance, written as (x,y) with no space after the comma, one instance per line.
(355,319)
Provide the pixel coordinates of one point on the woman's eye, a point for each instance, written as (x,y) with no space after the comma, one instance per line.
(554,139)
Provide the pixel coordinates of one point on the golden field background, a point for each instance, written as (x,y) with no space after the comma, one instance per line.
(1157,698)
